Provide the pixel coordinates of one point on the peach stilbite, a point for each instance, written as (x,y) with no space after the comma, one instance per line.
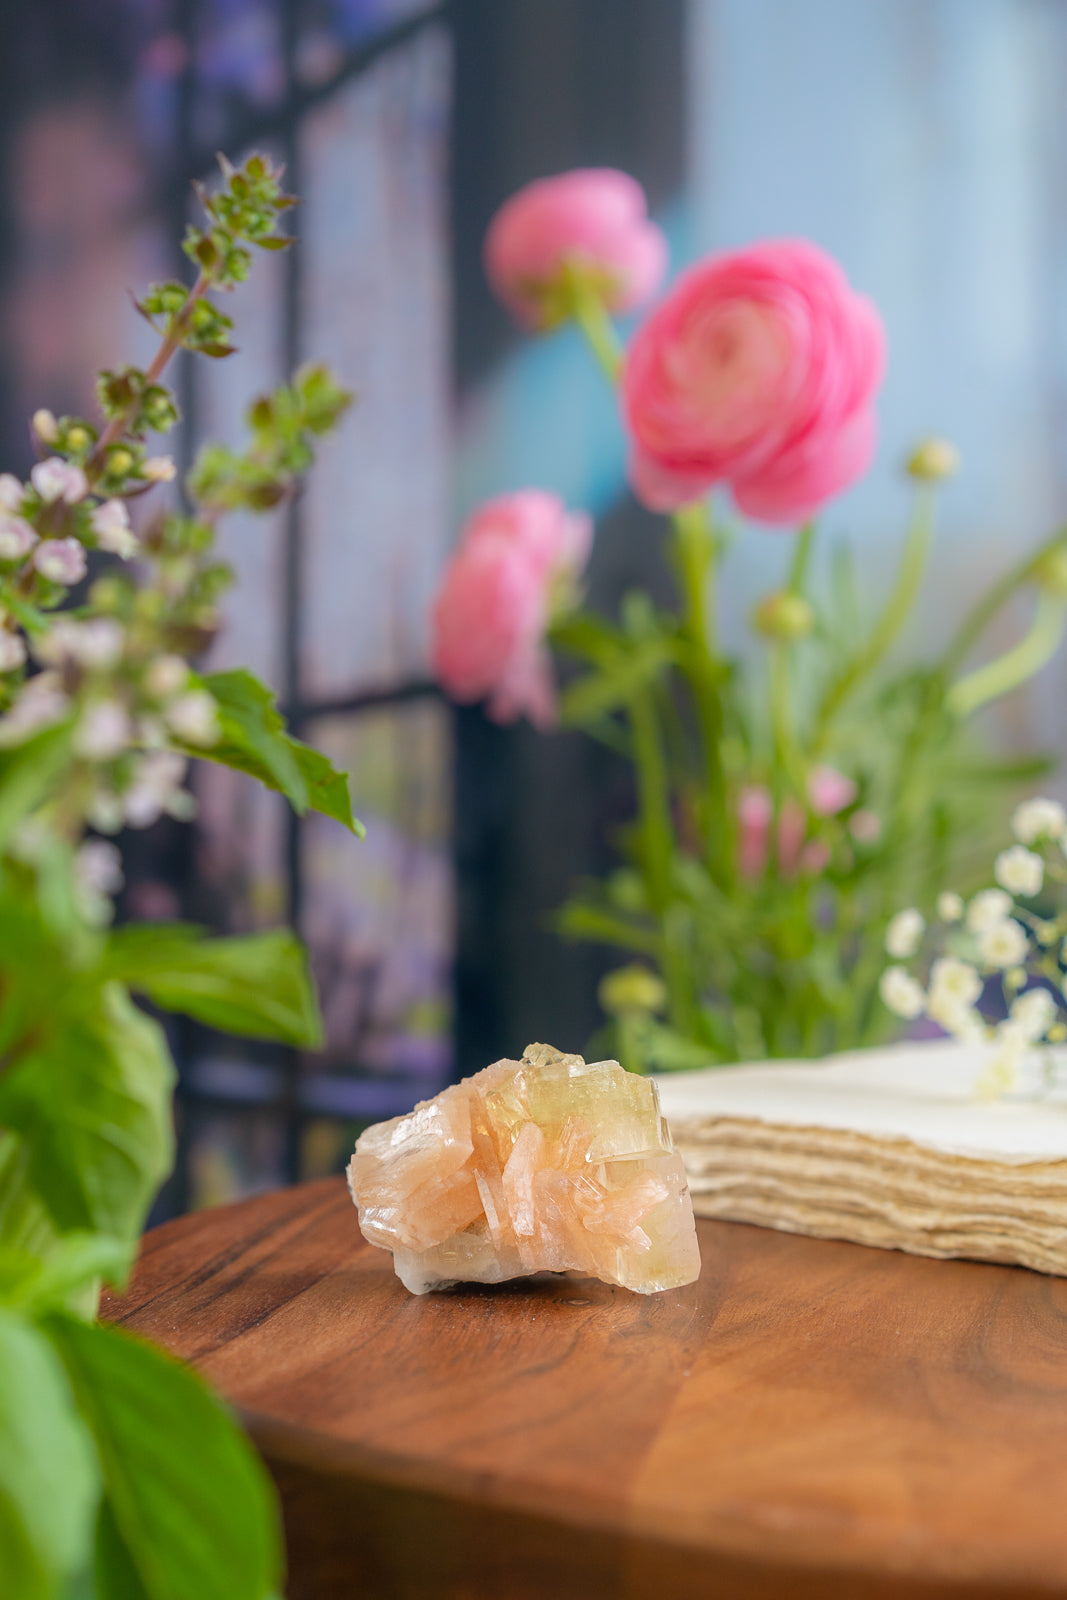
(548,1164)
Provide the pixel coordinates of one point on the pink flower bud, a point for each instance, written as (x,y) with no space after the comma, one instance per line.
(758,370)
(830,791)
(17,538)
(595,220)
(56,479)
(60,560)
(865,827)
(495,603)
(755,810)
(792,825)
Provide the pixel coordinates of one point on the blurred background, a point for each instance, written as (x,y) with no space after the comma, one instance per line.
(922,142)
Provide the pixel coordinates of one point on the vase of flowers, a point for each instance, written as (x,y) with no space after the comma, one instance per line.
(785,802)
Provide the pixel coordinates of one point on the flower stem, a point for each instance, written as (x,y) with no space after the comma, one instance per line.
(656,835)
(1015,666)
(892,619)
(976,622)
(587,309)
(796,583)
(694,552)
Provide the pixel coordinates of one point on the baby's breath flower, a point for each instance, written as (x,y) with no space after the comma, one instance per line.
(56,479)
(987,909)
(60,560)
(1038,819)
(17,538)
(901,993)
(949,906)
(1020,871)
(955,980)
(1032,1013)
(104,731)
(12,492)
(110,523)
(1004,944)
(903,934)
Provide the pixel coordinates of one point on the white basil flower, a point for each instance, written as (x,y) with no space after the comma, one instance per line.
(12,492)
(17,538)
(104,731)
(56,479)
(165,676)
(194,717)
(12,651)
(60,560)
(110,523)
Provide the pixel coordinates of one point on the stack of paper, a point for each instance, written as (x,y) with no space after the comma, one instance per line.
(884,1147)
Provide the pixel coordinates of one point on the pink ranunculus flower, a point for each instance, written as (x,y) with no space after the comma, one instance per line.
(518,555)
(759,371)
(594,218)
(829,791)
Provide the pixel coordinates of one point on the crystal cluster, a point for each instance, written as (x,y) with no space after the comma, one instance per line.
(544,1164)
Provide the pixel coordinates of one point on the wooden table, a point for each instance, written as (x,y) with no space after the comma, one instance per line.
(811,1419)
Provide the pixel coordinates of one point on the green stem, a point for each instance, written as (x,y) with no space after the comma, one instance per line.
(979,618)
(694,552)
(1015,666)
(587,309)
(656,833)
(787,756)
(892,619)
(798,568)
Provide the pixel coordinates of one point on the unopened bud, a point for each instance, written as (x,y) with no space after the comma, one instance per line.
(78,438)
(1051,570)
(933,460)
(45,426)
(632,988)
(783,616)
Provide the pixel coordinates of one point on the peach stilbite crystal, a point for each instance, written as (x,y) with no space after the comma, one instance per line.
(548,1164)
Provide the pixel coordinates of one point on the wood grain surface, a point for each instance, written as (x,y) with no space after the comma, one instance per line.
(811,1419)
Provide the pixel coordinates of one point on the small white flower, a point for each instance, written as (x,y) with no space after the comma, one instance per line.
(987,909)
(1038,819)
(44,426)
(954,980)
(17,538)
(901,993)
(1020,871)
(110,523)
(105,812)
(95,643)
(156,788)
(949,906)
(11,492)
(194,717)
(98,866)
(159,469)
(1002,1072)
(165,676)
(60,560)
(104,731)
(12,651)
(1032,1012)
(1003,945)
(41,702)
(56,479)
(903,933)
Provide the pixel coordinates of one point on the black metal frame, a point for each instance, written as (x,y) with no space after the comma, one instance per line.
(281,1086)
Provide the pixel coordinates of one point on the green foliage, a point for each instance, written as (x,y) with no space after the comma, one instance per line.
(254,740)
(187,1508)
(120,1477)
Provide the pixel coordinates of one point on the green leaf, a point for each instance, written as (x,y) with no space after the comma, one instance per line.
(254,740)
(615,684)
(257,985)
(92,1103)
(192,1507)
(58,1280)
(49,1480)
(28,773)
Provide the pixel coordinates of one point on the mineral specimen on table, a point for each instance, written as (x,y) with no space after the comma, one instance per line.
(548,1164)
